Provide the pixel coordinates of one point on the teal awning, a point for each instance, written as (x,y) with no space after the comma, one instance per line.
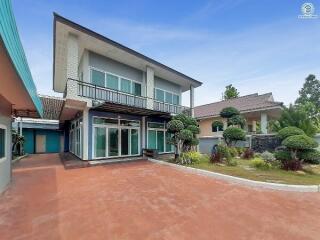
(10,37)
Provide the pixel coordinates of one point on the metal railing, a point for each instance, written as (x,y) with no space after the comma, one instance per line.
(92,91)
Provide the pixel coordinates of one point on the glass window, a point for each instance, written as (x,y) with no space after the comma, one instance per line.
(155,125)
(134,142)
(175,99)
(2,142)
(160,141)
(105,121)
(168,146)
(97,78)
(168,97)
(136,89)
(100,142)
(130,123)
(113,142)
(125,85)
(124,141)
(112,81)
(159,95)
(152,139)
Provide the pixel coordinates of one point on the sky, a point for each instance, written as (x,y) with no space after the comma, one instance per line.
(257,46)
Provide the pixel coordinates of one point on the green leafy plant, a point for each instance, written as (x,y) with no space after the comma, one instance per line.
(260,164)
(248,154)
(233,134)
(230,92)
(289,131)
(311,156)
(228,112)
(231,162)
(222,152)
(174,127)
(282,155)
(190,157)
(233,151)
(268,157)
(237,120)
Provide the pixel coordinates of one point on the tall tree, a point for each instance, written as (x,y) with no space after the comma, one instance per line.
(309,97)
(230,92)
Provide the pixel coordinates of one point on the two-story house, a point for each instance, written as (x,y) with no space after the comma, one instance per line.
(117,101)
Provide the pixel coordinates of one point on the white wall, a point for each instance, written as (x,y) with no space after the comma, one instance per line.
(5,164)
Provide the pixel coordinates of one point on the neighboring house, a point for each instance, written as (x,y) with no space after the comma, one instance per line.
(43,135)
(18,94)
(256,109)
(117,101)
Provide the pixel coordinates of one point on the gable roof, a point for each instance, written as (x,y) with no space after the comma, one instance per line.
(248,103)
(51,107)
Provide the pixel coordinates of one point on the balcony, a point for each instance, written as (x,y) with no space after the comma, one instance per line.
(78,89)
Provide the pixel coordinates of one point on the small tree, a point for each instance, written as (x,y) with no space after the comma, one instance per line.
(233,134)
(230,92)
(299,143)
(174,127)
(237,120)
(289,131)
(229,112)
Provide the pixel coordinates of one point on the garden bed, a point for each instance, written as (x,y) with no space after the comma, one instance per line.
(310,175)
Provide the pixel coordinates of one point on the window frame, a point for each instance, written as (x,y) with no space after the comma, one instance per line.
(119,81)
(164,130)
(4,127)
(164,97)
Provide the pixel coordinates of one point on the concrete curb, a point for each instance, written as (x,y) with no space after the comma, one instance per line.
(243,181)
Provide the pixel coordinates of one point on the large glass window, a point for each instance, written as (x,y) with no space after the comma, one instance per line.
(97,120)
(124,141)
(134,141)
(112,81)
(159,95)
(125,85)
(97,78)
(168,97)
(100,142)
(155,125)
(152,139)
(160,141)
(2,142)
(175,99)
(113,138)
(136,89)
(158,137)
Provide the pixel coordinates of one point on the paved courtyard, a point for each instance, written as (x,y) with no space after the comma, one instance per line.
(143,200)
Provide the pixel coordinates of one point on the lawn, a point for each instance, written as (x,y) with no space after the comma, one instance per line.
(310,174)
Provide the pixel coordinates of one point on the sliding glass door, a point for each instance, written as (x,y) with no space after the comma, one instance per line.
(116,138)
(158,138)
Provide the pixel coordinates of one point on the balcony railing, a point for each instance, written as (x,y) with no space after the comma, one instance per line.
(92,91)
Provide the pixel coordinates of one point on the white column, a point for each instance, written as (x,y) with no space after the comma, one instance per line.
(225,124)
(254,126)
(143,132)
(20,126)
(192,100)
(72,56)
(85,134)
(264,123)
(150,87)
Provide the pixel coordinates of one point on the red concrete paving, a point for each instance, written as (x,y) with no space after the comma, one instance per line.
(143,200)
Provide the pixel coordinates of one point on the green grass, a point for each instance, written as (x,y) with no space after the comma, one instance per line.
(310,174)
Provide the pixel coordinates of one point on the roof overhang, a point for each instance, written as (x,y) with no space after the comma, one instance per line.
(95,42)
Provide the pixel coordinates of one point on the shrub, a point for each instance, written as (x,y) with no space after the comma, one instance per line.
(289,131)
(282,155)
(228,112)
(300,142)
(194,129)
(231,162)
(217,125)
(232,135)
(268,157)
(311,156)
(260,164)
(291,164)
(190,157)
(186,120)
(233,151)
(222,152)
(240,150)
(248,154)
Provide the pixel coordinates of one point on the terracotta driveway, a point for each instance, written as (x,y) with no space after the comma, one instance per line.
(143,200)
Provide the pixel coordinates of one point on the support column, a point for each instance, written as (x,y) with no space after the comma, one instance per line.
(72,56)
(150,87)
(192,100)
(254,126)
(264,123)
(225,124)
(85,134)
(143,132)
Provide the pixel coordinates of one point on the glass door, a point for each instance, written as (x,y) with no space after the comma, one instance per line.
(124,142)
(113,142)
(134,141)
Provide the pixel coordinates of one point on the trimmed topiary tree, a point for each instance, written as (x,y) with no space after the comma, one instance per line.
(310,156)
(174,127)
(237,120)
(295,144)
(233,134)
(228,112)
(289,131)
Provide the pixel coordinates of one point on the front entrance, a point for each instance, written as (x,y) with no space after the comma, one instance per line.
(115,138)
